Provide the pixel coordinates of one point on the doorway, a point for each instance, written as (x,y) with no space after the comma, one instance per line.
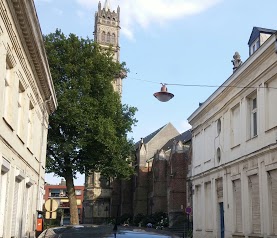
(221,216)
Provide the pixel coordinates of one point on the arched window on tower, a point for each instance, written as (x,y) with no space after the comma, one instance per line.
(113,38)
(103,36)
(108,37)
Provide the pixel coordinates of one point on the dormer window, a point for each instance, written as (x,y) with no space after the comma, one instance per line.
(255,46)
(258,37)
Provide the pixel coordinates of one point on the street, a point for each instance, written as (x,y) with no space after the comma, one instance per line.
(104,232)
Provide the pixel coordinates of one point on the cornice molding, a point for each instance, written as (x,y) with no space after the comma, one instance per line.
(27,24)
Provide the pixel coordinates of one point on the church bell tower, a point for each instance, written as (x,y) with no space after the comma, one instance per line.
(99,202)
(106,34)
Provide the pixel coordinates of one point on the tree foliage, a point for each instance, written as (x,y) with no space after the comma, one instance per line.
(89,129)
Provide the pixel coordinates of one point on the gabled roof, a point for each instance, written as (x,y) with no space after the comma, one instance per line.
(184,137)
(256,31)
(150,136)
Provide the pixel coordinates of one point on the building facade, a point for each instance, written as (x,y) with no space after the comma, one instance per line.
(27,98)
(59,193)
(234,135)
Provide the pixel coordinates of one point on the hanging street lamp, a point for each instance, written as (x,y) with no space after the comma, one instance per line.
(163,95)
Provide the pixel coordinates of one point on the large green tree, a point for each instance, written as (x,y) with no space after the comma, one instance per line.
(88,132)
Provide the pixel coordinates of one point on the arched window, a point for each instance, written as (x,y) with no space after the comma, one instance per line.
(109,37)
(113,38)
(103,36)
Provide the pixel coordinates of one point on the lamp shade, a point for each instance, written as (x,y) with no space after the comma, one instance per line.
(163,95)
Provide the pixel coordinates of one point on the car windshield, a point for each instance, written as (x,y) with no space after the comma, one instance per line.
(66,221)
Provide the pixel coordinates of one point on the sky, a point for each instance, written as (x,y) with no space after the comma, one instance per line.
(187,42)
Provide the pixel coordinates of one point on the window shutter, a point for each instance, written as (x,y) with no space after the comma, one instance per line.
(273,176)
(3,197)
(14,213)
(25,211)
(255,204)
(238,205)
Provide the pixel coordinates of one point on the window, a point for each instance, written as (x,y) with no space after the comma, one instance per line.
(8,95)
(197,209)
(237,205)
(198,149)
(108,37)
(22,120)
(218,155)
(218,126)
(78,192)
(273,199)
(208,140)
(208,206)
(254,48)
(103,36)
(30,127)
(255,203)
(113,38)
(252,115)
(5,167)
(271,99)
(235,125)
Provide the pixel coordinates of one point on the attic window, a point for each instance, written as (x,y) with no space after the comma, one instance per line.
(255,46)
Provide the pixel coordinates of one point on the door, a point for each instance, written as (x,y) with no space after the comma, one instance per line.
(222,226)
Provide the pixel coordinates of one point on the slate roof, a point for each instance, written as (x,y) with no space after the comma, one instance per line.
(150,136)
(184,137)
(256,31)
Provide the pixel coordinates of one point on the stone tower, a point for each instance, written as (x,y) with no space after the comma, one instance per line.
(106,34)
(98,202)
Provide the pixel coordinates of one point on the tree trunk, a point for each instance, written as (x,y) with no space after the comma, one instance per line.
(74,217)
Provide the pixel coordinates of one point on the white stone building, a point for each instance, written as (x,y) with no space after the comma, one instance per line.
(27,98)
(234,135)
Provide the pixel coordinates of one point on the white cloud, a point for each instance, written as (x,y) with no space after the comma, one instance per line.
(80,14)
(144,12)
(184,126)
(58,11)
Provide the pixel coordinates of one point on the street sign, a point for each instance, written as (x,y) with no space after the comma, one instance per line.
(50,215)
(51,205)
(188,210)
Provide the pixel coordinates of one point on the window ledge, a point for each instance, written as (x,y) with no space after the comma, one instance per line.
(255,235)
(30,150)
(19,137)
(270,129)
(236,234)
(252,138)
(235,146)
(8,124)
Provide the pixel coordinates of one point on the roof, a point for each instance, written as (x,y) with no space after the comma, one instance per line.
(150,136)
(256,31)
(107,5)
(184,137)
